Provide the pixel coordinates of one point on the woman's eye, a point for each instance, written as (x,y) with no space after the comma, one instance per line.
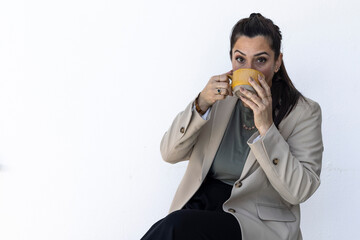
(262,60)
(240,59)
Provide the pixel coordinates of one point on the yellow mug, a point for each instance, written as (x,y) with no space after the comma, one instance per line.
(240,78)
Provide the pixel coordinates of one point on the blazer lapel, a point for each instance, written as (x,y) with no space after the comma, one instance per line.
(221,116)
(248,164)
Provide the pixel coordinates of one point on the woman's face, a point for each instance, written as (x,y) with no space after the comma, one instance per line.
(255,53)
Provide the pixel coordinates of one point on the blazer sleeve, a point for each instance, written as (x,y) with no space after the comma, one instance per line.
(178,142)
(293,165)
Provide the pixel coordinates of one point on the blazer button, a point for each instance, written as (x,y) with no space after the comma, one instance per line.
(182,130)
(238,184)
(275,161)
(231,210)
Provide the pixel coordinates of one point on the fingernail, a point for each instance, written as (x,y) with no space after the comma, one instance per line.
(251,79)
(260,77)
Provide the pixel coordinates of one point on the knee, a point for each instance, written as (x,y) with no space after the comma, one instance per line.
(178,223)
(175,220)
(173,226)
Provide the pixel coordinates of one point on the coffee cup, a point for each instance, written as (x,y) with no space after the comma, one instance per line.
(240,78)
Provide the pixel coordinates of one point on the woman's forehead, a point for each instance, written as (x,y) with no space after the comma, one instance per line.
(252,45)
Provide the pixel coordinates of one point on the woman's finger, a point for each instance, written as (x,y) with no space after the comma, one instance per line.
(223,77)
(222,82)
(216,89)
(251,96)
(221,91)
(259,89)
(265,86)
(250,103)
(229,89)
(221,85)
(220,78)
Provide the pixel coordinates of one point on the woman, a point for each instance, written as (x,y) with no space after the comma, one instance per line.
(252,160)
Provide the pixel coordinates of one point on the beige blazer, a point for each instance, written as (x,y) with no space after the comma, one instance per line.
(281,171)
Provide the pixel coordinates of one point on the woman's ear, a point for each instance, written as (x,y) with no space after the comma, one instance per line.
(278,62)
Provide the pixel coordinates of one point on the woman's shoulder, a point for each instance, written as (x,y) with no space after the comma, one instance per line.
(305,111)
(306,104)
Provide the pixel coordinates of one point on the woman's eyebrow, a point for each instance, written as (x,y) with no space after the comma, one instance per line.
(258,54)
(240,52)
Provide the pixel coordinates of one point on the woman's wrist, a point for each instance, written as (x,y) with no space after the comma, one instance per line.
(264,130)
(200,106)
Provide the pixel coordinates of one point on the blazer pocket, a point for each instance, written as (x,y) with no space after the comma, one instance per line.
(274,213)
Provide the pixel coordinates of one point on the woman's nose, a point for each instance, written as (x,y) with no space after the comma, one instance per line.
(249,64)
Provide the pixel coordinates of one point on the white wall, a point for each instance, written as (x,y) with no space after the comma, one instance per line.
(87,89)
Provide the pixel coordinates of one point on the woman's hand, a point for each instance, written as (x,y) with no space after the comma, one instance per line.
(216,89)
(261,104)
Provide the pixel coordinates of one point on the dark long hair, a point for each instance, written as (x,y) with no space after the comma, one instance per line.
(284,94)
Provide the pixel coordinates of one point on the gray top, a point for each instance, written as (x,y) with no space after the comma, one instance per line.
(233,150)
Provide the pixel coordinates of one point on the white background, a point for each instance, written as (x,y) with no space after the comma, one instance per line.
(88,87)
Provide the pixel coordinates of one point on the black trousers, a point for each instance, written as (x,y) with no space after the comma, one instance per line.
(202,217)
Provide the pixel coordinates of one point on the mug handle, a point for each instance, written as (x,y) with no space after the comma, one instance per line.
(231,78)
